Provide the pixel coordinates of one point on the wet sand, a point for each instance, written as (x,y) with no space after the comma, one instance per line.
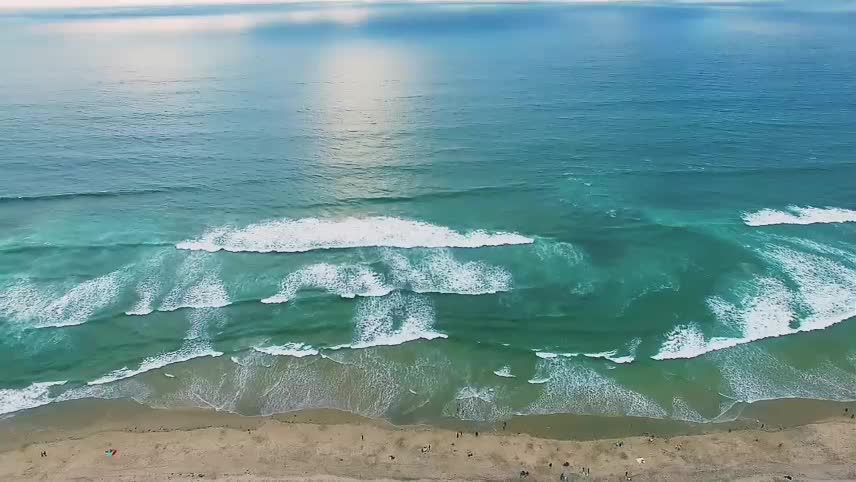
(330,445)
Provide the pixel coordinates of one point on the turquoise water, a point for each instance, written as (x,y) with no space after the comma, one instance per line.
(425,211)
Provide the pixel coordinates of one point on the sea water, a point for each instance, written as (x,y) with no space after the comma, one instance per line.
(425,211)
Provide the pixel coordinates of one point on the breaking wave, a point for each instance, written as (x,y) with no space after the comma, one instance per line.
(36,395)
(477,404)
(307,234)
(504,372)
(826,292)
(569,387)
(799,215)
(196,344)
(436,273)
(298,350)
(442,273)
(345,281)
(197,286)
(37,307)
(393,320)
(187,352)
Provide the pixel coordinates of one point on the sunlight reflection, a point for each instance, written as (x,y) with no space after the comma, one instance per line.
(364,106)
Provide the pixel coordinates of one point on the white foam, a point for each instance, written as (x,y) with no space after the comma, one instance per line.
(299,235)
(684,341)
(477,403)
(681,410)
(146,292)
(394,319)
(144,304)
(484,394)
(826,288)
(346,281)
(766,313)
(440,272)
(554,252)
(752,374)
(208,293)
(538,380)
(197,286)
(436,273)
(298,350)
(149,287)
(800,215)
(504,372)
(612,356)
(251,359)
(572,387)
(200,319)
(187,352)
(39,308)
(35,395)
(546,354)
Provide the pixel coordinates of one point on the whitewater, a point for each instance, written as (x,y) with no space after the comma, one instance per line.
(373,217)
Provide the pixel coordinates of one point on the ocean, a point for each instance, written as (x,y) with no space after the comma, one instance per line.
(429,212)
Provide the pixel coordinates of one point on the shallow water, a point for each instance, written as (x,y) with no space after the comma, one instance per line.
(429,211)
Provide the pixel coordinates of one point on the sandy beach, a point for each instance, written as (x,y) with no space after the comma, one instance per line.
(328,445)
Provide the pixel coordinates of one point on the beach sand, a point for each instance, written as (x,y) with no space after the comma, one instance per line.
(329,445)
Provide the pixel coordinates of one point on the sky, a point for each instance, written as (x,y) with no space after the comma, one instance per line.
(40,4)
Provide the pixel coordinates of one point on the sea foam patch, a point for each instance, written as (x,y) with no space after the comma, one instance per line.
(440,272)
(799,215)
(751,374)
(434,273)
(208,293)
(35,395)
(619,356)
(570,387)
(764,313)
(150,284)
(826,286)
(825,295)
(146,292)
(347,281)
(504,372)
(51,307)
(478,404)
(681,410)
(198,285)
(394,319)
(187,352)
(297,350)
(306,234)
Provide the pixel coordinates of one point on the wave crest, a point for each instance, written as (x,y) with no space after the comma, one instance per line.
(799,215)
(298,350)
(825,290)
(307,234)
(344,281)
(45,308)
(437,273)
(393,320)
(35,395)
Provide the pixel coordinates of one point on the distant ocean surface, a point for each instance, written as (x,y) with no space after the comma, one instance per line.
(421,212)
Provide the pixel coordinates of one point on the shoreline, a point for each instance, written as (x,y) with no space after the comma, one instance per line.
(158,444)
